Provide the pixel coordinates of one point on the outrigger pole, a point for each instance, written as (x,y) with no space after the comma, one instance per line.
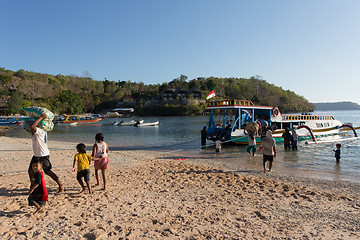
(338,140)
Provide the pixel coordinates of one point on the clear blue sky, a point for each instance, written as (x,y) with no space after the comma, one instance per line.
(310,47)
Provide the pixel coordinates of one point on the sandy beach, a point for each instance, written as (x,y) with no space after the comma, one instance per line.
(153,196)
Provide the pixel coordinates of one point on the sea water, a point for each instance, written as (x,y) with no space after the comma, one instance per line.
(181,135)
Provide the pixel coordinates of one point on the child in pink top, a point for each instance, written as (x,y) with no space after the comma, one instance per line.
(100,157)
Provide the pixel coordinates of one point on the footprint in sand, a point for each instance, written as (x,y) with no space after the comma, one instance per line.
(262,217)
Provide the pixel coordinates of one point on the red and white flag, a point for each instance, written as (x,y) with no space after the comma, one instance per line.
(211,95)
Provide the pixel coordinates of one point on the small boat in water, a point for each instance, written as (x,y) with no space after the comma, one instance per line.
(11,120)
(138,124)
(229,119)
(131,123)
(75,119)
(68,124)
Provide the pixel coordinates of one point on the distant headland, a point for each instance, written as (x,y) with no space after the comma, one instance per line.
(337,106)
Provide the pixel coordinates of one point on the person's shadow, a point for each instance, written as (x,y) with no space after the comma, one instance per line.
(12,193)
(11,213)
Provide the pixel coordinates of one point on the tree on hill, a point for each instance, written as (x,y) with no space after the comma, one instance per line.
(71,103)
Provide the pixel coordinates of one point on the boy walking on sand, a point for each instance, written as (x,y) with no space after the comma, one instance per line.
(83,160)
(37,194)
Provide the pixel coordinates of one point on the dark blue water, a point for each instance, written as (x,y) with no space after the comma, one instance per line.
(182,134)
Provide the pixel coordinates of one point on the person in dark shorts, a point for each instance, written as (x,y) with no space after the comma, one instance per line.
(203,137)
(83,160)
(337,151)
(37,194)
(294,139)
(41,150)
(287,138)
(268,148)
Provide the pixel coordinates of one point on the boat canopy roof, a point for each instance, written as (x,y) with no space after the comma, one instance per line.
(235,104)
(123,110)
(293,117)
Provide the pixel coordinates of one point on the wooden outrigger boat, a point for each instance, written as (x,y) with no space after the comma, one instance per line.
(236,114)
(76,119)
(11,120)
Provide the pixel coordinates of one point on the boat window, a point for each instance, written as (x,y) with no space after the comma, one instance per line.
(326,124)
(319,125)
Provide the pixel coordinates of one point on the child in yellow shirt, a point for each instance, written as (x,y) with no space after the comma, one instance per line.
(83,160)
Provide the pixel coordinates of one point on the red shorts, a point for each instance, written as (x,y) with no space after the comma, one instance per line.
(101,164)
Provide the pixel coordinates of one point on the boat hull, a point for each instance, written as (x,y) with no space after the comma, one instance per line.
(242,139)
(147,124)
(81,121)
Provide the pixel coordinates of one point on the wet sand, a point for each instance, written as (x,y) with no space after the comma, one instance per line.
(153,196)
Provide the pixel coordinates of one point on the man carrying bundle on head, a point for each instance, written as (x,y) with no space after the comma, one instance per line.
(41,150)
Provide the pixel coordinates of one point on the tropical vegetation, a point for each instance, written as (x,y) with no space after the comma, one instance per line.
(78,94)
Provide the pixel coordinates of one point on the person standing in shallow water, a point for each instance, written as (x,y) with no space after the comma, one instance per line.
(287,138)
(251,149)
(268,148)
(217,147)
(294,140)
(337,151)
(203,137)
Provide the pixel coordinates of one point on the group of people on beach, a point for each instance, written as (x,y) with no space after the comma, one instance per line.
(268,144)
(267,147)
(40,164)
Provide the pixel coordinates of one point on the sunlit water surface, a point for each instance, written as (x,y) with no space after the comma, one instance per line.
(182,135)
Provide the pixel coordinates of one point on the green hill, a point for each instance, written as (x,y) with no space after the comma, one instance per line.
(74,94)
(336,106)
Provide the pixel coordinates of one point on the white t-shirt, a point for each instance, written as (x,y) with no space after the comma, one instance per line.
(40,147)
(101,150)
(218,144)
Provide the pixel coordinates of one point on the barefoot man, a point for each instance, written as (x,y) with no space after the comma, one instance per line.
(41,150)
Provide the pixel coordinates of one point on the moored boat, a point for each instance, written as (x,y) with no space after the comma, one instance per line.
(112,114)
(75,119)
(4,120)
(138,124)
(131,123)
(237,114)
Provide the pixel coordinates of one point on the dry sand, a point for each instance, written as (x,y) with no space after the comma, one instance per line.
(153,196)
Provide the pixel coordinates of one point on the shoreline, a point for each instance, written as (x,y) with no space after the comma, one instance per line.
(153,196)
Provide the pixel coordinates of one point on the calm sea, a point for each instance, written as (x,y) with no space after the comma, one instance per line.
(182,136)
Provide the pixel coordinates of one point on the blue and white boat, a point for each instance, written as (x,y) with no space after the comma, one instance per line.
(11,120)
(228,119)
